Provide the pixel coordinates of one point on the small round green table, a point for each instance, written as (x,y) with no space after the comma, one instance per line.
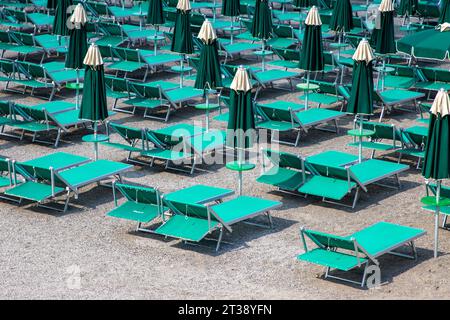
(76,86)
(382,72)
(95,139)
(263,54)
(181,70)
(155,40)
(232,30)
(306,88)
(207,107)
(358,133)
(240,167)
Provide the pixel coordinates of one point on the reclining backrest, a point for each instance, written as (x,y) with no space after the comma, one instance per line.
(325,87)
(128,133)
(112,29)
(191,210)
(383,130)
(139,194)
(35,71)
(283,30)
(329,241)
(404,71)
(31,113)
(441,75)
(288,54)
(354,40)
(43,175)
(197,19)
(4,36)
(344,92)
(284,159)
(126,54)
(274,114)
(18,14)
(100,8)
(144,90)
(116,84)
(417,140)
(162,139)
(23,38)
(5,166)
(5,109)
(328,171)
(328,58)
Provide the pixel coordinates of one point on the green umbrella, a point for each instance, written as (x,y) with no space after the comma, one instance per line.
(241,123)
(182,34)
(262,26)
(155,17)
(61,16)
(77,43)
(436,163)
(383,34)
(93,105)
(209,75)
(51,4)
(311,56)
(445,11)
(361,98)
(341,20)
(302,3)
(429,44)
(408,8)
(231,8)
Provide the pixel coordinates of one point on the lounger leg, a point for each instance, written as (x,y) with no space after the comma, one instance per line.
(364,275)
(444,221)
(355,199)
(219,240)
(269,217)
(297,140)
(382,113)
(66,204)
(58,137)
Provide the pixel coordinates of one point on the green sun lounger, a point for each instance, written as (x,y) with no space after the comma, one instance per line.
(445,193)
(360,249)
(235,50)
(288,58)
(284,118)
(7,177)
(287,172)
(415,139)
(267,78)
(337,174)
(194,222)
(45,183)
(396,97)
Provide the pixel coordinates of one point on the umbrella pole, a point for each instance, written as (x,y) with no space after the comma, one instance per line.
(231,30)
(77,103)
(155,42)
(383,74)
(240,177)
(299,21)
(360,138)
(263,54)
(207,111)
(436,218)
(307,90)
(95,143)
(181,70)
(140,16)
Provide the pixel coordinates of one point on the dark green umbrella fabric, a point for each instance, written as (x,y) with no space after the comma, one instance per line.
(341,19)
(209,67)
(262,25)
(231,8)
(61,16)
(78,45)
(431,44)
(302,3)
(241,119)
(155,14)
(436,164)
(383,39)
(311,56)
(445,11)
(361,98)
(51,4)
(182,34)
(93,104)
(408,7)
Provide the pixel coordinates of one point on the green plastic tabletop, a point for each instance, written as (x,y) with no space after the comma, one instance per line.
(360,133)
(384,69)
(209,106)
(307,87)
(57,160)
(431,201)
(263,53)
(181,69)
(95,138)
(74,85)
(240,166)
(418,130)
(198,194)
(332,158)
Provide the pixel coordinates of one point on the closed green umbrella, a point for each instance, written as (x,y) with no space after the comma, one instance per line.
(209,75)
(341,20)
(445,11)
(51,4)
(93,105)
(262,26)
(436,163)
(361,98)
(182,34)
(301,4)
(77,44)
(155,17)
(408,8)
(311,56)
(383,38)
(231,8)
(61,16)
(241,122)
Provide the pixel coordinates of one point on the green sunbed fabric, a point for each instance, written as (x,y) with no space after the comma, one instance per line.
(326,187)
(92,171)
(277,125)
(187,228)
(328,258)
(383,236)
(183,94)
(33,191)
(57,160)
(282,178)
(332,158)
(398,96)
(198,194)
(317,115)
(4,182)
(284,105)
(166,154)
(242,208)
(68,118)
(373,145)
(180,130)
(140,212)
(160,59)
(55,106)
(274,75)
(241,46)
(371,170)
(322,98)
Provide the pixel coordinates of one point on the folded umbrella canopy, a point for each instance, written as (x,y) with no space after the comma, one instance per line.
(62,14)
(436,163)
(182,34)
(382,38)
(444,16)
(262,26)
(341,20)
(429,44)
(231,8)
(361,97)
(408,7)
(311,56)
(51,4)
(77,43)
(155,15)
